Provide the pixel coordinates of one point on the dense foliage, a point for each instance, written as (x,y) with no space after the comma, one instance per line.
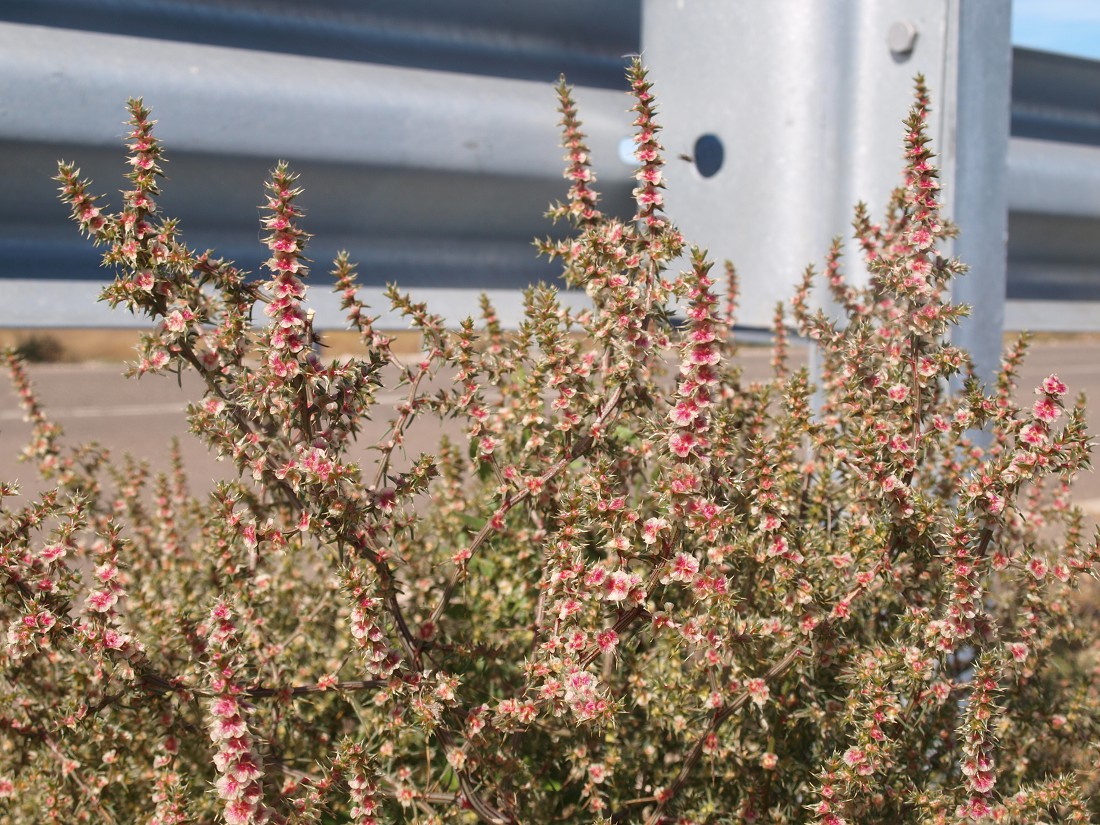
(638,589)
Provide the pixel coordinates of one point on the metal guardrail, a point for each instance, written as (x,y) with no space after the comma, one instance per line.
(495,38)
(426,137)
(1054,193)
(429,178)
(1055,97)
(410,152)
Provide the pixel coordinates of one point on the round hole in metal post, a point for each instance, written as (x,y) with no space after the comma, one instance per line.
(709,154)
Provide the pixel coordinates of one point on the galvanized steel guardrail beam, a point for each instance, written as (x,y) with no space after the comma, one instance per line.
(435,178)
(527,40)
(427,177)
(1054,194)
(65,86)
(1052,178)
(1055,97)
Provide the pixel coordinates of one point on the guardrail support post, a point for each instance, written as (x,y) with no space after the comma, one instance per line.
(789,113)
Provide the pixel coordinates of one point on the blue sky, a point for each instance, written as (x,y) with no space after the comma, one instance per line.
(1067,26)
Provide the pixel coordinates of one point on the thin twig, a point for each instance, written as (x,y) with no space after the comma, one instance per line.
(407,412)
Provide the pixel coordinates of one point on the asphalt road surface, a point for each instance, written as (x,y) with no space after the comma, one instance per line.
(94,402)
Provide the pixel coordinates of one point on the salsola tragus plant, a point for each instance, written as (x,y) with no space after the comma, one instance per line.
(626,594)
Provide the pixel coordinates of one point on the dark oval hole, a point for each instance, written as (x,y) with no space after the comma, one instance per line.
(709,155)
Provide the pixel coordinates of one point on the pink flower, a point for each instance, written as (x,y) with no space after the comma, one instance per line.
(703,354)
(101,601)
(618,586)
(899,444)
(241,812)
(568,608)
(758,691)
(683,414)
(703,335)
(898,392)
(681,443)
(175,321)
(983,781)
(607,640)
(683,568)
(921,238)
(225,706)
(651,528)
(1053,386)
(52,552)
(1046,409)
(232,727)
(593,578)
(1033,434)
(977,808)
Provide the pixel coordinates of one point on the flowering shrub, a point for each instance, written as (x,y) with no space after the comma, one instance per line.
(624,595)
